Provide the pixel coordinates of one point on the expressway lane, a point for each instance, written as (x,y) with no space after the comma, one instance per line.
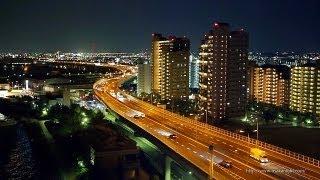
(153,129)
(222,149)
(301,173)
(200,148)
(225,147)
(202,136)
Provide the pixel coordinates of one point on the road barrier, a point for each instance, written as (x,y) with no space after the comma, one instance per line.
(270,147)
(246,139)
(265,145)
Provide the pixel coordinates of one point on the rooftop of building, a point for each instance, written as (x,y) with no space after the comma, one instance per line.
(160,37)
(285,70)
(310,64)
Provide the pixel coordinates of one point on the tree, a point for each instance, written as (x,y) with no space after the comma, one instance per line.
(268,115)
(97,117)
(60,112)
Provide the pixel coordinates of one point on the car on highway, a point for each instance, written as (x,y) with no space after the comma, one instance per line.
(136,116)
(259,155)
(172,136)
(142,115)
(226,164)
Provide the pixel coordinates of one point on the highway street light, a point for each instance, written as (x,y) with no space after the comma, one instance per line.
(211,161)
(206,116)
(257,130)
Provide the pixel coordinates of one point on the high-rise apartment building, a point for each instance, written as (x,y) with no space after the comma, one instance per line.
(170,66)
(223,75)
(237,79)
(270,84)
(194,72)
(144,77)
(305,89)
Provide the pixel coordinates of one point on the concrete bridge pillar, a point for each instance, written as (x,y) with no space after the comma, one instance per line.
(167,168)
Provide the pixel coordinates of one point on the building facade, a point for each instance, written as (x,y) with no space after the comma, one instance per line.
(270,84)
(144,77)
(222,73)
(170,67)
(194,72)
(237,73)
(305,89)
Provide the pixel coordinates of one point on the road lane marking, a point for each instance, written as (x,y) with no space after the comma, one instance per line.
(237,167)
(169,128)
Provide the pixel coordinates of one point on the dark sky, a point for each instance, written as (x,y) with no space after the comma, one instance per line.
(127,25)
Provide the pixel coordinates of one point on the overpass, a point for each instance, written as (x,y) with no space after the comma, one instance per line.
(193,139)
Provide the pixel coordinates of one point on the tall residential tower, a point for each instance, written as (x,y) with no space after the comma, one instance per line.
(305,89)
(223,74)
(170,66)
(144,77)
(194,72)
(270,84)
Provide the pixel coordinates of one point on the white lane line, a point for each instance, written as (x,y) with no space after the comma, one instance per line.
(237,167)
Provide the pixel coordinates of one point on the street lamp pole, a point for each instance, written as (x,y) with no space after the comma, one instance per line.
(257,132)
(211,162)
(206,116)
(151,98)
(172,104)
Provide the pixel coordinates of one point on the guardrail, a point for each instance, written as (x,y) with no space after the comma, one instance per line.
(177,150)
(249,140)
(265,145)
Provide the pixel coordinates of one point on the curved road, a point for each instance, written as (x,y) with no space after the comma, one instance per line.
(193,140)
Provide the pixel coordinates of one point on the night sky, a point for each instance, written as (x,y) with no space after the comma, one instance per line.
(127,25)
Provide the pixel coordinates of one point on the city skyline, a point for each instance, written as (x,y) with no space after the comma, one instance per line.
(112,26)
(193,90)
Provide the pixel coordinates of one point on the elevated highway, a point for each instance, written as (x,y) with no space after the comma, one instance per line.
(194,138)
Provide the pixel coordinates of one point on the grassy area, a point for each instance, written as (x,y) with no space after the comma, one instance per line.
(297,139)
(302,140)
